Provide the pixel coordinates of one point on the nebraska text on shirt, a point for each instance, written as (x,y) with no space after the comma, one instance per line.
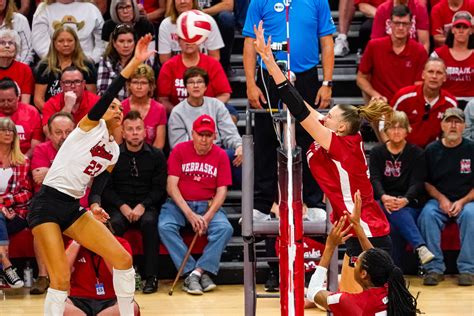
(199,167)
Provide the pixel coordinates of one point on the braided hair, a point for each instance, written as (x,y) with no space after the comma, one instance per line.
(383,272)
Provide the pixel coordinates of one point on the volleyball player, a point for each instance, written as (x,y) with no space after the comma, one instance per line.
(89,152)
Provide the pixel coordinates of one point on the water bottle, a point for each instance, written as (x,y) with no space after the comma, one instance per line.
(28,275)
(138,280)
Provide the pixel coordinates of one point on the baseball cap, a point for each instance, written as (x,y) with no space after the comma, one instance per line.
(454,112)
(462,17)
(204,123)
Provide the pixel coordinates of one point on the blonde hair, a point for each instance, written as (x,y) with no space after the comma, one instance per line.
(10,9)
(173,13)
(16,156)
(398,117)
(374,111)
(144,71)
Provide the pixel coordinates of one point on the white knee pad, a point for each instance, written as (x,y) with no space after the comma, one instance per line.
(316,284)
(55,302)
(124,286)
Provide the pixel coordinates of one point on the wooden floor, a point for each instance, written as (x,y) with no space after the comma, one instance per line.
(445,299)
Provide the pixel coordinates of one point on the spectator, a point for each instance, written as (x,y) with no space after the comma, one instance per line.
(222,12)
(73,99)
(60,125)
(469,114)
(180,125)
(154,10)
(450,186)
(368,9)
(12,20)
(141,86)
(168,41)
(397,175)
(25,116)
(386,58)
(92,291)
(346,12)
(84,17)
(442,16)
(117,55)
(425,104)
(198,176)
(135,192)
(126,12)
(418,28)
(15,194)
(9,67)
(458,56)
(64,51)
(171,89)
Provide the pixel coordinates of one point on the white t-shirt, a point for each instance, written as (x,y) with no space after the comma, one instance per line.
(5,175)
(168,39)
(82,156)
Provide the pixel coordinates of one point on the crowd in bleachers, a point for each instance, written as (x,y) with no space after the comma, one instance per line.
(56,60)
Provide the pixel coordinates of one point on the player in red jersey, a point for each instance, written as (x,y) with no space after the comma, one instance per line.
(336,159)
(384,289)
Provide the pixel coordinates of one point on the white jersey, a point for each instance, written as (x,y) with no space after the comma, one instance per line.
(82,156)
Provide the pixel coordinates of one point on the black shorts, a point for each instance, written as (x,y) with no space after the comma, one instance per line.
(91,306)
(50,205)
(354,249)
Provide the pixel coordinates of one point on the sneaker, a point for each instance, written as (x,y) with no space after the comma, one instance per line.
(341,47)
(432,278)
(259,216)
(151,285)
(273,282)
(40,285)
(206,283)
(192,285)
(12,278)
(424,254)
(465,279)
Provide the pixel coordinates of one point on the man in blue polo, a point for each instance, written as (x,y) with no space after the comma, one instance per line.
(311,26)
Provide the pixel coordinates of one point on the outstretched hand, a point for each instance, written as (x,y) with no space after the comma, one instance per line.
(338,235)
(262,48)
(354,217)
(141,50)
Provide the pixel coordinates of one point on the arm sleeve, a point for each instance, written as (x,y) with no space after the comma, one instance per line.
(98,186)
(158,187)
(102,105)
(291,97)
(40,36)
(177,132)
(164,37)
(376,171)
(325,23)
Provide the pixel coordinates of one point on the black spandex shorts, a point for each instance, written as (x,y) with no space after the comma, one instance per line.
(50,205)
(354,249)
(91,306)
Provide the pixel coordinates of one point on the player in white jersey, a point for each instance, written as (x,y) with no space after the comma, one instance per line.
(90,152)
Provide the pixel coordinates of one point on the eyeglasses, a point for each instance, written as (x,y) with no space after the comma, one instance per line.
(124,7)
(461,26)
(5,43)
(7,130)
(70,83)
(195,83)
(133,167)
(426,115)
(401,24)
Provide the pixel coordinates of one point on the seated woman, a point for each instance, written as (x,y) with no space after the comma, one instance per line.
(397,175)
(64,51)
(141,86)
(15,193)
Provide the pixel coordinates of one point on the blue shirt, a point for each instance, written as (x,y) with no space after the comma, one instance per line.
(308,19)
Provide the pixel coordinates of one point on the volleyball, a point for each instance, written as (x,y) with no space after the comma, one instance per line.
(193,26)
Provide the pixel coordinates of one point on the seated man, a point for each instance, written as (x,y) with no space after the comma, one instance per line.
(449,183)
(199,174)
(135,191)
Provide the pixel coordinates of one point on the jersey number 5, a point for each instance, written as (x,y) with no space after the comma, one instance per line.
(93,168)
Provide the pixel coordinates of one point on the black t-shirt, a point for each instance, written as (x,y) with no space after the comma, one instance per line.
(449,170)
(42,76)
(141,28)
(397,175)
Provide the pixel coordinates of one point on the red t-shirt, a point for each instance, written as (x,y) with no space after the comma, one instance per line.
(370,302)
(385,67)
(84,278)
(381,26)
(149,5)
(199,176)
(155,117)
(43,156)
(21,74)
(340,172)
(55,104)
(170,81)
(374,3)
(442,16)
(460,81)
(28,125)
(412,101)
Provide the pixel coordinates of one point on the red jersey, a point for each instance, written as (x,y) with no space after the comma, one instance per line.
(21,74)
(370,302)
(412,101)
(384,66)
(340,172)
(55,104)
(171,84)
(28,125)
(442,16)
(43,156)
(84,277)
(460,73)
(199,176)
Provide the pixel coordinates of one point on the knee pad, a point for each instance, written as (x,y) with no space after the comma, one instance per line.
(124,282)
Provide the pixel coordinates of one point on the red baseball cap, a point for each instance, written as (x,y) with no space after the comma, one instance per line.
(204,123)
(462,17)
